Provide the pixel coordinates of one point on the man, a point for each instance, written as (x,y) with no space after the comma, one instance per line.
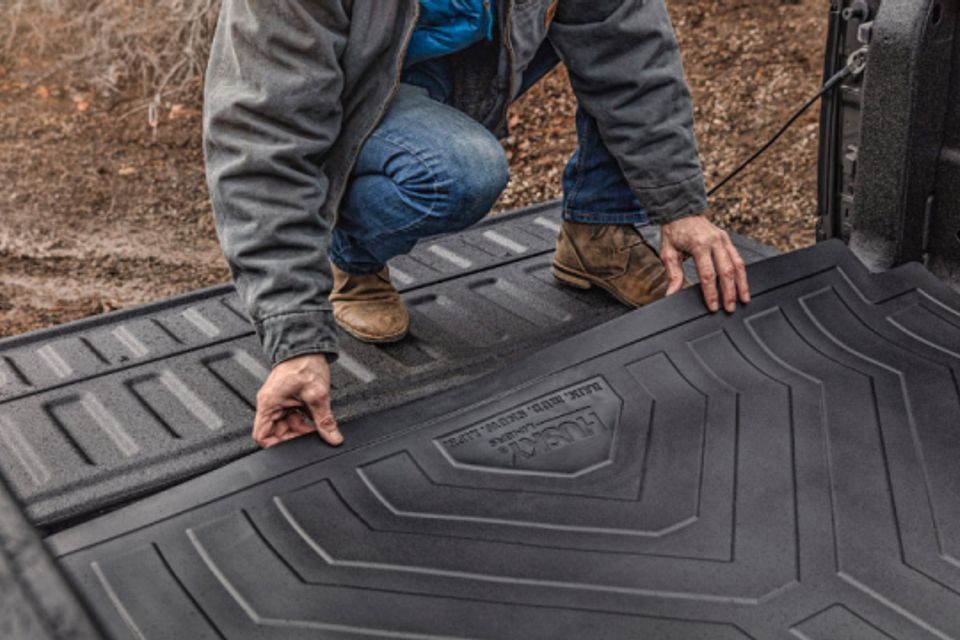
(340,132)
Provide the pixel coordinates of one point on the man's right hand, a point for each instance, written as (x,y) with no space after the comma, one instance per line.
(295,389)
(715,257)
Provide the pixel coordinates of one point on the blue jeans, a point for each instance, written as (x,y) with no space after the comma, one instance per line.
(429,169)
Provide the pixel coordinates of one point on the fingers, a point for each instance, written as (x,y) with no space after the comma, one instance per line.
(740,272)
(708,279)
(269,429)
(299,425)
(715,256)
(281,428)
(723,265)
(263,423)
(673,263)
(296,425)
(270,441)
(286,431)
(317,401)
(295,390)
(732,272)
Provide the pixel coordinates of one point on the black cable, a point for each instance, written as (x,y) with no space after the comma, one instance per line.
(827,87)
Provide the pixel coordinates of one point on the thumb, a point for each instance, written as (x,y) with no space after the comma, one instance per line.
(674,266)
(318,406)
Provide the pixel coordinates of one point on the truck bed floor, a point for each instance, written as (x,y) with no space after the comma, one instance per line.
(789,471)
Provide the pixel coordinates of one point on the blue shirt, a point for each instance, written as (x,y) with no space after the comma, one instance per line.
(448,26)
(444,27)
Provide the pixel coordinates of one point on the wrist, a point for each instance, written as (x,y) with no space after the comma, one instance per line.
(684,219)
(691,215)
(307,359)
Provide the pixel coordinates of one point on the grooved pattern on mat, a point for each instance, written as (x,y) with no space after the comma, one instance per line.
(786,472)
(100,411)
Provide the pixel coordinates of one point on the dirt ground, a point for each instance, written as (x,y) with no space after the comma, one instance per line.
(98,211)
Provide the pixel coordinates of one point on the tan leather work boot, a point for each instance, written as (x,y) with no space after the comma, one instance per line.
(613,257)
(368,307)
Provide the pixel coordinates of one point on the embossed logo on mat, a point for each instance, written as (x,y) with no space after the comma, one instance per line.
(568,431)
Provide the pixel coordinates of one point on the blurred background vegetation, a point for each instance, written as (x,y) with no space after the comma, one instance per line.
(103,201)
(151,52)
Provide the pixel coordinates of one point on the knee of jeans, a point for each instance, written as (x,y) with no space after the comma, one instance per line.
(479,175)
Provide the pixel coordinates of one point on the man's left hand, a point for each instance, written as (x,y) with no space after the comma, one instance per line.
(715,257)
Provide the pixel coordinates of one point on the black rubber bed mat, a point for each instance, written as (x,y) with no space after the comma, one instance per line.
(789,471)
(36,602)
(100,411)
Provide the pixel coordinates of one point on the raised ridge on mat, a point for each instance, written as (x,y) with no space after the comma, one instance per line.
(102,410)
(785,472)
(115,409)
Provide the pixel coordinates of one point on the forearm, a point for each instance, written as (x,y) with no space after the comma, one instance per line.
(270,116)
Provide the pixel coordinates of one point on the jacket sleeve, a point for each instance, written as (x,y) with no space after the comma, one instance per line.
(625,68)
(272,111)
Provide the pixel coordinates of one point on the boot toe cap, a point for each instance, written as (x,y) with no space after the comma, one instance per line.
(374,322)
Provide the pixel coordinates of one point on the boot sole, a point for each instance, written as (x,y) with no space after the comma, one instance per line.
(579,280)
(375,339)
(372,340)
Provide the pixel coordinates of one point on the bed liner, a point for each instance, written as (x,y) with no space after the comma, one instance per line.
(787,471)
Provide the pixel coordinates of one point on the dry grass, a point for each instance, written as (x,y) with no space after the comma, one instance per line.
(150,51)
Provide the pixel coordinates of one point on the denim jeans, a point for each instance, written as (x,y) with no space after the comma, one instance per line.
(429,169)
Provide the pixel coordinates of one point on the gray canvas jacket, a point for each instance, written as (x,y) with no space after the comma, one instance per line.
(294,88)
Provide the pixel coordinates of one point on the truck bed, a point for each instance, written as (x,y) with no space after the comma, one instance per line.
(787,471)
(97,412)
(534,462)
